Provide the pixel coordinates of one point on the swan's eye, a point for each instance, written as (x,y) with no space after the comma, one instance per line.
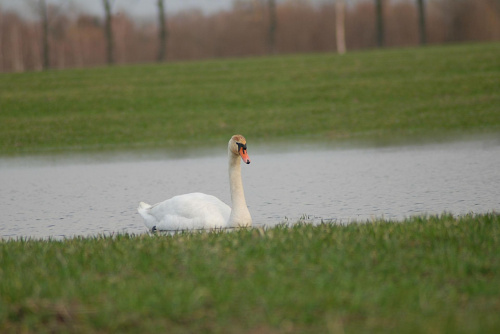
(241,146)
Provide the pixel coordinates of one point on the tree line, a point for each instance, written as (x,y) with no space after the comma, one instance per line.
(66,38)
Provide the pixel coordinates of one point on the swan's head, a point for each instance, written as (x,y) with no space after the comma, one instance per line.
(238,146)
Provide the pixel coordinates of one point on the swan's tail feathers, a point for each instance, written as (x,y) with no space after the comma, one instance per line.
(143,206)
(149,220)
(143,209)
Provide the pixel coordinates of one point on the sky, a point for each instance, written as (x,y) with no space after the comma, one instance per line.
(137,8)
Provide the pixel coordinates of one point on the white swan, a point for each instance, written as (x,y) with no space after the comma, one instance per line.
(201,211)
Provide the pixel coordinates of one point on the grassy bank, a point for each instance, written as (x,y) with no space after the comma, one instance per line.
(427,275)
(368,96)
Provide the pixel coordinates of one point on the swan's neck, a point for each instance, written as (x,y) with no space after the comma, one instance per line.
(240,216)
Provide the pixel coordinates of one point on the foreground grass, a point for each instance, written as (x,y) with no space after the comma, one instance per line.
(375,95)
(426,275)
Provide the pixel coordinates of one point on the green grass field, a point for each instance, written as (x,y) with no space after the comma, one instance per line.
(383,95)
(425,275)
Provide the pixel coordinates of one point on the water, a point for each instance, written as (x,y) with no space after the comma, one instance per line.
(72,196)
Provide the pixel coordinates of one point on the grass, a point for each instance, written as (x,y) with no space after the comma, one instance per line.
(379,95)
(425,275)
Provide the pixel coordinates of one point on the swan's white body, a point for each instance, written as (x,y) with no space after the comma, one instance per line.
(201,211)
(189,211)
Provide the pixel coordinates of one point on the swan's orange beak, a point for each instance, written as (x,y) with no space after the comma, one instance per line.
(244,155)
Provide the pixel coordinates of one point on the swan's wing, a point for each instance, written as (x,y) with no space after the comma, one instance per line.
(190,211)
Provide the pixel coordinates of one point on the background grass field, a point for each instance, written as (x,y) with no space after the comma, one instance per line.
(367,96)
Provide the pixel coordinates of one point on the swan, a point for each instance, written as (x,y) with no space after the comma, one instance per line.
(202,211)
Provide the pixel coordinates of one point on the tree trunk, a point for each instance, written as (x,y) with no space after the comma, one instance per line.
(108,32)
(379,23)
(271,38)
(1,45)
(163,33)
(340,25)
(16,51)
(421,22)
(45,35)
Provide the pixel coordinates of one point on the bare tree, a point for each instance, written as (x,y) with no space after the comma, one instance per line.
(1,42)
(340,25)
(271,37)
(379,23)
(78,39)
(16,49)
(163,33)
(45,35)
(108,31)
(421,22)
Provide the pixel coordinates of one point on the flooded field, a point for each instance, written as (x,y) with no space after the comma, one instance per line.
(88,195)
